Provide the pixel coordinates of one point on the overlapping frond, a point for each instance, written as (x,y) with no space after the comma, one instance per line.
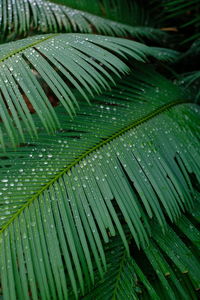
(191,78)
(117,155)
(181,11)
(63,63)
(125,11)
(120,280)
(168,268)
(24,17)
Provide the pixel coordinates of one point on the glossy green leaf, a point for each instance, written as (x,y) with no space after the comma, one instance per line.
(61,196)
(59,65)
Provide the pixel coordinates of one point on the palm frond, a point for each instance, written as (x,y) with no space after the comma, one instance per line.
(61,195)
(64,63)
(125,11)
(179,12)
(168,268)
(122,279)
(191,78)
(20,18)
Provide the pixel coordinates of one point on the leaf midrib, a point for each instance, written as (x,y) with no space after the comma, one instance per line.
(122,264)
(12,53)
(89,151)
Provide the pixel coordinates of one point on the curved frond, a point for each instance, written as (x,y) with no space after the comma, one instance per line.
(19,18)
(121,281)
(168,268)
(125,11)
(59,65)
(61,195)
(192,80)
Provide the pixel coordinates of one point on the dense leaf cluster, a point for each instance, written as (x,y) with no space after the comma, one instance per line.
(99,149)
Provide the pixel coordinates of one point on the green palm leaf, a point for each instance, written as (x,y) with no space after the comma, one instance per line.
(63,62)
(125,11)
(118,155)
(168,268)
(191,78)
(182,10)
(121,280)
(19,18)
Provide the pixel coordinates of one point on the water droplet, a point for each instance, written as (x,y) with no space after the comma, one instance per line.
(4,180)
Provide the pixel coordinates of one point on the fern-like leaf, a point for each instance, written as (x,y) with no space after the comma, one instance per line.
(125,11)
(63,62)
(19,18)
(168,268)
(117,156)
